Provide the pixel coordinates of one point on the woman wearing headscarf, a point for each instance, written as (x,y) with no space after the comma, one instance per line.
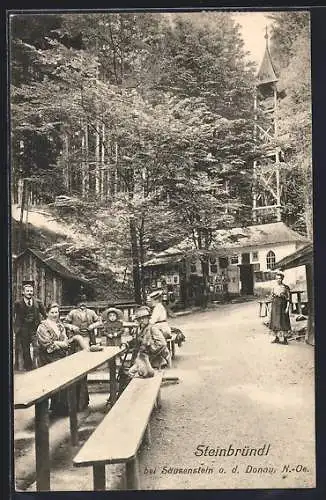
(280,318)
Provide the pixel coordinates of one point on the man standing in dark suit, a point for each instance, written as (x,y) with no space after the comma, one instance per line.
(28,313)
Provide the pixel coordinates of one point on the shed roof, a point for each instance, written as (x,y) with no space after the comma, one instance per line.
(53,264)
(298,258)
(225,240)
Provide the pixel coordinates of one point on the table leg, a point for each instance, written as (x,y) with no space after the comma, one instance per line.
(42,447)
(113,381)
(132,473)
(260,309)
(72,402)
(299,303)
(173,349)
(99,477)
(147,436)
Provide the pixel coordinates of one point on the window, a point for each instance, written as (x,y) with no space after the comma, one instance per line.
(235,259)
(263,275)
(270,259)
(223,262)
(193,268)
(213,268)
(256,267)
(254,256)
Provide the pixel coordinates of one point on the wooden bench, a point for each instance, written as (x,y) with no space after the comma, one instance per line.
(171,344)
(119,435)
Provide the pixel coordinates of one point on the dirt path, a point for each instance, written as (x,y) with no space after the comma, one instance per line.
(236,389)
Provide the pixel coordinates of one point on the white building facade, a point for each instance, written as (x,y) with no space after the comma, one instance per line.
(241,260)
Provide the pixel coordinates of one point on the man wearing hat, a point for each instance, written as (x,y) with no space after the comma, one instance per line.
(149,341)
(83,320)
(159,313)
(28,313)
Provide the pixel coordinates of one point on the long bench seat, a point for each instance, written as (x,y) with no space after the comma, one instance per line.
(119,435)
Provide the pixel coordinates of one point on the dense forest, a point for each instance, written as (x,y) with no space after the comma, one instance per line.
(137,128)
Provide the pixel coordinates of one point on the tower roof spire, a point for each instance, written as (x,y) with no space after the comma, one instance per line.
(266,72)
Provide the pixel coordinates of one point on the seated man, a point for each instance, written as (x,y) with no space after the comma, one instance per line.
(83,321)
(149,349)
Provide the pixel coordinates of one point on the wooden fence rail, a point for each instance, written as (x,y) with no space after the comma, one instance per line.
(128,308)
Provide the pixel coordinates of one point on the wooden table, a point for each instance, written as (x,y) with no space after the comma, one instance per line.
(264,307)
(298,293)
(37,386)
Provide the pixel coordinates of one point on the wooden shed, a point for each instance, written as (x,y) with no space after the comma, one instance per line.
(53,281)
(304,257)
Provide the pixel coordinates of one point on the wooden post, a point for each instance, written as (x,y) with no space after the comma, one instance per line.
(42,448)
(99,477)
(147,436)
(310,336)
(132,474)
(172,349)
(113,381)
(278,187)
(72,402)
(159,399)
(299,303)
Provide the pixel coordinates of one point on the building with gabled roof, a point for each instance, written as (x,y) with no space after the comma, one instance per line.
(53,282)
(243,258)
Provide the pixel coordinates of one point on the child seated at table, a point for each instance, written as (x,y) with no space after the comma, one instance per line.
(112,326)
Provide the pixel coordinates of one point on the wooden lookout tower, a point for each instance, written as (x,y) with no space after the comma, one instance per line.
(267,172)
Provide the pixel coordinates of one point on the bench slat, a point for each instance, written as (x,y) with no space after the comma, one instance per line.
(120,433)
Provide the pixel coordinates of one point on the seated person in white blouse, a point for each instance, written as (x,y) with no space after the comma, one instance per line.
(158,313)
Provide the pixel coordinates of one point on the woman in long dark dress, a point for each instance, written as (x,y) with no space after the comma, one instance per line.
(280,318)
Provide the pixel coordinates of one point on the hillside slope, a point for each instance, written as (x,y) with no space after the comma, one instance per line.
(73,247)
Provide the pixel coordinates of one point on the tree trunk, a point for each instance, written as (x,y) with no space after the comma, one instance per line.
(308,220)
(21,221)
(183,283)
(86,161)
(97,160)
(115,171)
(66,162)
(102,179)
(205,270)
(135,261)
(142,259)
(83,169)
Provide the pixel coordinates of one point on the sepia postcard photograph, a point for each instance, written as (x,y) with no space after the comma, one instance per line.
(162,288)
